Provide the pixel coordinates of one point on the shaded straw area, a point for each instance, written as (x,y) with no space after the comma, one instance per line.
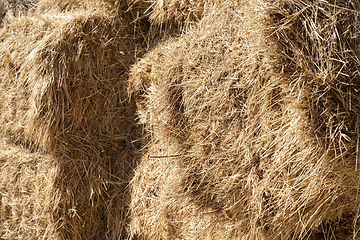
(11,10)
(29,198)
(252,116)
(63,94)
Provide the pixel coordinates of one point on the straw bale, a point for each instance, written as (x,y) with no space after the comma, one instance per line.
(28,194)
(57,74)
(62,93)
(252,116)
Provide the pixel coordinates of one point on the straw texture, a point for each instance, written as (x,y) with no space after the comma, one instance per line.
(11,10)
(252,116)
(29,199)
(170,11)
(62,92)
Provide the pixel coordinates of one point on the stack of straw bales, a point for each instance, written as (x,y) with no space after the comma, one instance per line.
(63,97)
(253,119)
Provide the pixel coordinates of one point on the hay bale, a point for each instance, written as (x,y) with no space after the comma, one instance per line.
(29,197)
(58,73)
(252,117)
(62,93)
